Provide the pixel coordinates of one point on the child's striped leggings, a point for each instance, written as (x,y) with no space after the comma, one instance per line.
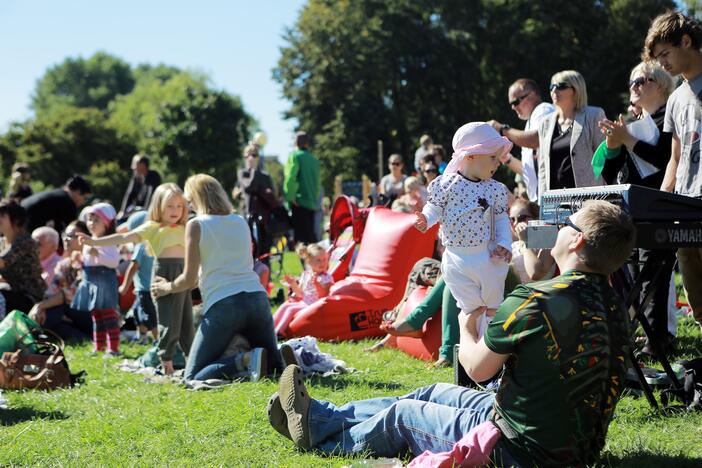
(105,329)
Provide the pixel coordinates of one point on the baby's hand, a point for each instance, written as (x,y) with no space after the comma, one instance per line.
(420,221)
(501,253)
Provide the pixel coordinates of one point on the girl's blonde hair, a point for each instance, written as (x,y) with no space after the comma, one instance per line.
(207,196)
(158,202)
(412,183)
(310,250)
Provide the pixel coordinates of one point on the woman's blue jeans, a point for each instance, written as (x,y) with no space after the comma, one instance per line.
(430,418)
(247,314)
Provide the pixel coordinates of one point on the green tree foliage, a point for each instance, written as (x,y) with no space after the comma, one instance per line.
(186,126)
(79,82)
(359,71)
(66,141)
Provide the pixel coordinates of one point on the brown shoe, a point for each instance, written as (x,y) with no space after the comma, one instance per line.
(295,401)
(277,416)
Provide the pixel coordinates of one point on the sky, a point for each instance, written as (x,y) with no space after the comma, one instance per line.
(235,42)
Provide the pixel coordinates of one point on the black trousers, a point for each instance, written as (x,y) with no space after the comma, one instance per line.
(303,225)
(17,301)
(657,311)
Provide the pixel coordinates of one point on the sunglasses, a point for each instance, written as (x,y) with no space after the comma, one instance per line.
(570,223)
(395,164)
(521,218)
(430,171)
(519,100)
(560,86)
(640,81)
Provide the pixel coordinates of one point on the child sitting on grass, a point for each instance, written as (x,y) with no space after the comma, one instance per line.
(314,283)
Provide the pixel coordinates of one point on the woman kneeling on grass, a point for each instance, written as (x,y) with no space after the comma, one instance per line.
(218,243)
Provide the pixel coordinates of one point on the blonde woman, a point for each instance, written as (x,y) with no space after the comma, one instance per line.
(649,88)
(568,137)
(218,246)
(164,235)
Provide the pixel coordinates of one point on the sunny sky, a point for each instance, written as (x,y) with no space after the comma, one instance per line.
(235,42)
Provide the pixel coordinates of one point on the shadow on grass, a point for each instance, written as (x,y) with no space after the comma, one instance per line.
(644,459)
(12,416)
(340,382)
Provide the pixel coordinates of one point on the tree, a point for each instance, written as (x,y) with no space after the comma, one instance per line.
(359,71)
(185,126)
(79,82)
(70,140)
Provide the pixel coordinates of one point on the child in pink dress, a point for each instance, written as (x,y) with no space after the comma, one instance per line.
(313,284)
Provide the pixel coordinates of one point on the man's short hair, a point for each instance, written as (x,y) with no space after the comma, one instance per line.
(609,235)
(79,184)
(302,140)
(141,159)
(47,233)
(669,28)
(527,84)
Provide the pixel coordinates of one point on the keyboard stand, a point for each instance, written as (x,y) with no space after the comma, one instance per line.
(622,280)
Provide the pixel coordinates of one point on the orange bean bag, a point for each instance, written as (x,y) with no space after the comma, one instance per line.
(426,347)
(390,247)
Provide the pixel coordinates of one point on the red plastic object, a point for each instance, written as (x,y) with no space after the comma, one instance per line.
(389,249)
(426,347)
(127,299)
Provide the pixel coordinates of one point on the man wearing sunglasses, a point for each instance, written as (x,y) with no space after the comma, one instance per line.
(563,344)
(525,100)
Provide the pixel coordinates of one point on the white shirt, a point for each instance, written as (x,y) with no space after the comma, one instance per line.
(529,175)
(463,207)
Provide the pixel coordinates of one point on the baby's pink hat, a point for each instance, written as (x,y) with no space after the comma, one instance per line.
(476,138)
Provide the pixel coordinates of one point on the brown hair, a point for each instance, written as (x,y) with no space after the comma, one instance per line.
(526,84)
(609,235)
(530,205)
(669,28)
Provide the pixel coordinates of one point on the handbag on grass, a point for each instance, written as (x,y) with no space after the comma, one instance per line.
(46,369)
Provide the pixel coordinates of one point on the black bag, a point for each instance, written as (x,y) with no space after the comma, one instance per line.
(691,393)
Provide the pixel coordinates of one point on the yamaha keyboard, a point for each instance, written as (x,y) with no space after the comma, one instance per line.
(663,220)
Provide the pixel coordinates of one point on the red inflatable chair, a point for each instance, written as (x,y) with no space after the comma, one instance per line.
(390,247)
(346,224)
(426,347)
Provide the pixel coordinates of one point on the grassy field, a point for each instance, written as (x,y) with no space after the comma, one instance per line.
(117,419)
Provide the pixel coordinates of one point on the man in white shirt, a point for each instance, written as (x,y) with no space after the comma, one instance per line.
(525,100)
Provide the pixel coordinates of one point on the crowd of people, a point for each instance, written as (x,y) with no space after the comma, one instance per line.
(560,330)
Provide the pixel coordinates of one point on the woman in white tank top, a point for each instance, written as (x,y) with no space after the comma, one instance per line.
(218,246)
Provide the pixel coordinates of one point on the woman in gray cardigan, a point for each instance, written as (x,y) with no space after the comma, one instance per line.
(568,137)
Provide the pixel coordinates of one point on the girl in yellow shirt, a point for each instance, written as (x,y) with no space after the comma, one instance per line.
(164,235)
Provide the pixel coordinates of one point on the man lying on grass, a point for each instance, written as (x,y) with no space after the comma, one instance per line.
(562,342)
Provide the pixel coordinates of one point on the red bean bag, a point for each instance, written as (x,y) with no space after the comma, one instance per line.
(390,247)
(426,347)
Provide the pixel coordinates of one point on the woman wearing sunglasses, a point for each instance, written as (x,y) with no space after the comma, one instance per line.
(393,185)
(649,88)
(568,137)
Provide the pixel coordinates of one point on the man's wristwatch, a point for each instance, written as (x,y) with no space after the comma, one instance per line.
(503,128)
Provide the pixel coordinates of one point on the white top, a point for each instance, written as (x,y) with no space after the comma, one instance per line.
(391,187)
(226,263)
(529,175)
(309,291)
(107,256)
(683,118)
(464,208)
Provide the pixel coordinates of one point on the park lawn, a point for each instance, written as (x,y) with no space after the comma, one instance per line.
(117,419)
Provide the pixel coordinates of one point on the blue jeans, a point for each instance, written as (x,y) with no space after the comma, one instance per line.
(247,314)
(430,418)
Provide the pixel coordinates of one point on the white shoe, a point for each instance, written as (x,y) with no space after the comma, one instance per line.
(258,364)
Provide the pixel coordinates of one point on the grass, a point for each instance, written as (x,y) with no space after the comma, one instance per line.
(116,419)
